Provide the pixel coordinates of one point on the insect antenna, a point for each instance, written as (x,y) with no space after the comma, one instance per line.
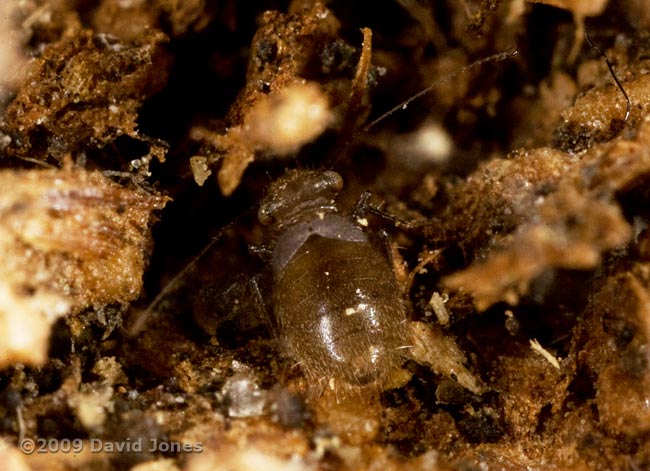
(628,103)
(403,105)
(363,67)
(143,317)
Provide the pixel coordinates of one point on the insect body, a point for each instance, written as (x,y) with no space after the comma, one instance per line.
(337,305)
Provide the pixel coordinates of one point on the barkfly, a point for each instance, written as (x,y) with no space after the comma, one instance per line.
(327,290)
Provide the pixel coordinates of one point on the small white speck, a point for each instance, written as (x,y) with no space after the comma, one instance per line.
(362,222)
(437,303)
(349,311)
(321,215)
(327,273)
(548,356)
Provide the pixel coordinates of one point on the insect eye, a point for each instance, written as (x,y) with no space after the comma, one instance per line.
(332,180)
(265,216)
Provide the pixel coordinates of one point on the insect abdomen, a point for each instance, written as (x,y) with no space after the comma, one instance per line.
(338,308)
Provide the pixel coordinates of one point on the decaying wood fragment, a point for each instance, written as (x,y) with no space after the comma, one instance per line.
(69,239)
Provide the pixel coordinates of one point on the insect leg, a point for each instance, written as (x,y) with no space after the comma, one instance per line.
(364,207)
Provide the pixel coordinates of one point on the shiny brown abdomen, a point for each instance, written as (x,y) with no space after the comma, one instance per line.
(338,308)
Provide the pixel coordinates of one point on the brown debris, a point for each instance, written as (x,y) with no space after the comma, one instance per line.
(571,233)
(500,195)
(617,319)
(84,92)
(12,60)
(281,50)
(541,114)
(279,111)
(596,113)
(529,384)
(279,123)
(569,228)
(127,19)
(70,239)
(76,219)
(432,347)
